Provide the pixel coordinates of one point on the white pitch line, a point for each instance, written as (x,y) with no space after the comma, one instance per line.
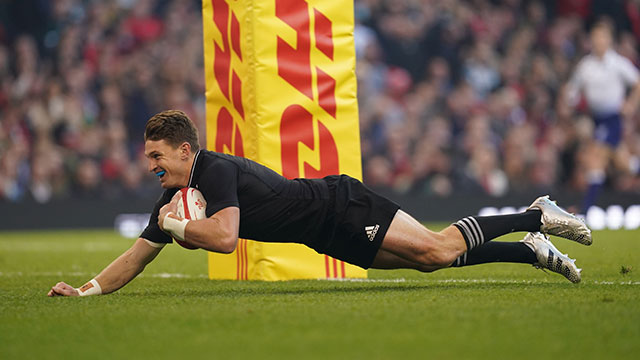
(496,281)
(400,280)
(475,281)
(178,276)
(357,280)
(63,274)
(45,273)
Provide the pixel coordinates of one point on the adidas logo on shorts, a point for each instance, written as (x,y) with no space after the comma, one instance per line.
(371,231)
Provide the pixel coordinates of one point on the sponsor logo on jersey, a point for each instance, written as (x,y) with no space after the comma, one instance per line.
(371,231)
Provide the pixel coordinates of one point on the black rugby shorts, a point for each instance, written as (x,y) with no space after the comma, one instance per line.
(358,220)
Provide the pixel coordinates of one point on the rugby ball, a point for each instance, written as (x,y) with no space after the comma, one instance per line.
(191,206)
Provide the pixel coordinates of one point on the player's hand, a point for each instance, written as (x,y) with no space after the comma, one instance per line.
(63,289)
(170,207)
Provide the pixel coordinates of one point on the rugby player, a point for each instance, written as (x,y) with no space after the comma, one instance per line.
(248,200)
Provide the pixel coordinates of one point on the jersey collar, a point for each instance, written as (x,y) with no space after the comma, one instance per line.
(606,57)
(193,170)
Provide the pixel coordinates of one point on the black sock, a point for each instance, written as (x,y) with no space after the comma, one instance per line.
(476,230)
(497,251)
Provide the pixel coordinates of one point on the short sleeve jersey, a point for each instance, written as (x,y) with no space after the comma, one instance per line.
(603,81)
(272,208)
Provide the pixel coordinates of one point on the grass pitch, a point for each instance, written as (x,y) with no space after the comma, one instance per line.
(172,311)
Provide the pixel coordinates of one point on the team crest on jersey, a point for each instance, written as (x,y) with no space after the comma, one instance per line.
(371,231)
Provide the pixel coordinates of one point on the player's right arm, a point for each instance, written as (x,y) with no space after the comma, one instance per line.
(122,270)
(574,87)
(569,94)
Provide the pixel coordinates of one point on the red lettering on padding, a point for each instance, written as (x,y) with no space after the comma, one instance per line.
(236,89)
(224,134)
(296,126)
(326,92)
(222,57)
(238,146)
(224,130)
(324,34)
(294,64)
(235,35)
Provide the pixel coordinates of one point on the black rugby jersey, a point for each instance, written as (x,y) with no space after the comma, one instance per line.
(272,208)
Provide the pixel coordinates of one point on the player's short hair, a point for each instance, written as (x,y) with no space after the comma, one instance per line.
(173,126)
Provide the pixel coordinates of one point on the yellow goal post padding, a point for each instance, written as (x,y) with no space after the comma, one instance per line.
(281,90)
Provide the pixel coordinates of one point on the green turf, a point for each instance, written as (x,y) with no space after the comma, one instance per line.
(503,311)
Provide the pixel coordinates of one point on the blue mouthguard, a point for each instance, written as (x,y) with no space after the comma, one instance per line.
(160,173)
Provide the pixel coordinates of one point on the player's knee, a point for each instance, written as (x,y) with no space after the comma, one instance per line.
(435,258)
(428,268)
(443,258)
(440,253)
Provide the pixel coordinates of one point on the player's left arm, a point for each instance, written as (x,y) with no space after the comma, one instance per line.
(122,270)
(217,233)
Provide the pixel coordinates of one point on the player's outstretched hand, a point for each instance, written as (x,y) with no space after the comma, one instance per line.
(63,289)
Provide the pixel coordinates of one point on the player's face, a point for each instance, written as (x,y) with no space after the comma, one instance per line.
(600,41)
(171,165)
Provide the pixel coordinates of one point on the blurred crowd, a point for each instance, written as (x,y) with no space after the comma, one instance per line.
(467,96)
(79,79)
(454,95)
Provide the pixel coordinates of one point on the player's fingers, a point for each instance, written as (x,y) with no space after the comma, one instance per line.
(53,292)
(170,207)
(163,208)
(63,289)
(173,207)
(63,286)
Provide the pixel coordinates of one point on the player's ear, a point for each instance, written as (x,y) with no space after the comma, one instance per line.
(185,150)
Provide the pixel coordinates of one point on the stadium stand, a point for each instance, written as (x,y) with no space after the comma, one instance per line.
(455,96)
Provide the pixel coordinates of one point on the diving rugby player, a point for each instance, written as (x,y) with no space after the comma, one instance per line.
(329,215)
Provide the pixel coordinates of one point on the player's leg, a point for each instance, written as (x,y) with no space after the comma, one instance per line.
(596,162)
(607,136)
(493,251)
(535,249)
(411,241)
(388,261)
(498,251)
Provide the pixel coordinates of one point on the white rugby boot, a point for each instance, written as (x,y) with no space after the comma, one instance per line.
(556,221)
(551,258)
